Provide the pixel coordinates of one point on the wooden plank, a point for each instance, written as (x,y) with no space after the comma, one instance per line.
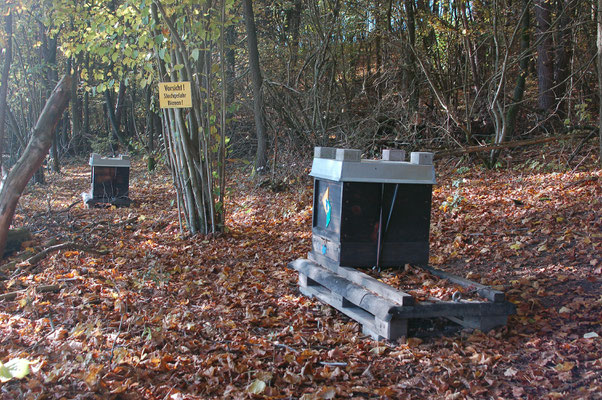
(455,309)
(376,305)
(389,328)
(482,290)
(356,313)
(483,324)
(373,285)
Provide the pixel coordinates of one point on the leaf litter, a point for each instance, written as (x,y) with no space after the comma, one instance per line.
(165,315)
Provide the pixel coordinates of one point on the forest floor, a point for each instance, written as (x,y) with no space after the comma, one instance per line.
(168,316)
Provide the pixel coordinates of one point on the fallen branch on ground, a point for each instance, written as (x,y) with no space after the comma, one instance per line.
(110,223)
(32,261)
(39,289)
(35,259)
(507,145)
(587,179)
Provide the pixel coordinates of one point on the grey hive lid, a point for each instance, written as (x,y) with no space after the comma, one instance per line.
(345,165)
(96,160)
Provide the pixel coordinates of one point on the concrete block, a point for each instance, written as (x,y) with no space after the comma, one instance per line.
(325,152)
(349,155)
(394,155)
(421,158)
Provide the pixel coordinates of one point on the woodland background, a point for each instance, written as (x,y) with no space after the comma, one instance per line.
(186,294)
(409,74)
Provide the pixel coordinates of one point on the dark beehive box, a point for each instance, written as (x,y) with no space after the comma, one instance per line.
(371,212)
(110,181)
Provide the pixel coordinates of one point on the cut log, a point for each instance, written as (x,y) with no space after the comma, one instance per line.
(14,240)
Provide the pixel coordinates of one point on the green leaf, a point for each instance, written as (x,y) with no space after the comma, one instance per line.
(17,368)
(195,54)
(256,387)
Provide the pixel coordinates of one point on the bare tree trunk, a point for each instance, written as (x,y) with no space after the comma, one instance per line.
(545,55)
(294,22)
(563,55)
(261,157)
(412,82)
(519,89)
(81,141)
(599,23)
(507,128)
(114,123)
(33,156)
(8,21)
(150,130)
(76,105)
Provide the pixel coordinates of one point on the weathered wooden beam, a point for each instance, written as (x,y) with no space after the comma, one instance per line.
(376,305)
(483,323)
(482,290)
(370,283)
(389,328)
(453,308)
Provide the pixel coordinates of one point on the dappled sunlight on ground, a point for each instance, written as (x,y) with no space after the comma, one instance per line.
(166,314)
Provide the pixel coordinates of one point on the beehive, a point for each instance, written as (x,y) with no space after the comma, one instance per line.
(371,212)
(110,178)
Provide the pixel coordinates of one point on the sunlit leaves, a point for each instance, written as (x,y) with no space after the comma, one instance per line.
(17,368)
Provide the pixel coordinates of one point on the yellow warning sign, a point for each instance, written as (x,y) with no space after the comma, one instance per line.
(175,95)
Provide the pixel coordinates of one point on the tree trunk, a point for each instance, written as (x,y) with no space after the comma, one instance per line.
(113,121)
(15,239)
(120,104)
(76,106)
(519,88)
(81,141)
(230,64)
(51,78)
(261,157)
(294,22)
(150,130)
(8,20)
(545,58)
(378,50)
(411,81)
(599,23)
(56,164)
(563,55)
(33,156)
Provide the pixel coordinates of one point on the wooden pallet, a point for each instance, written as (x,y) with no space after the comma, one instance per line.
(384,311)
